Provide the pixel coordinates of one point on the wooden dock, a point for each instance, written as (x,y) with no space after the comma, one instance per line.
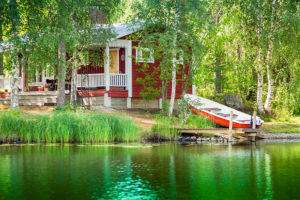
(230,132)
(233,132)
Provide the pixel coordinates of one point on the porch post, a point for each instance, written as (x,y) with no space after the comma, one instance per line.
(106,68)
(23,76)
(128,69)
(129,66)
(193,89)
(36,76)
(44,77)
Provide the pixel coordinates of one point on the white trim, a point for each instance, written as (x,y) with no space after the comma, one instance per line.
(37,76)
(23,79)
(139,55)
(180,60)
(118,43)
(106,68)
(193,90)
(128,66)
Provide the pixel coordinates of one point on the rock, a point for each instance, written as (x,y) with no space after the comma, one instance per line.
(205,139)
(193,138)
(233,100)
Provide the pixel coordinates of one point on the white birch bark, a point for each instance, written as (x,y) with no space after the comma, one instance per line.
(61,73)
(260,80)
(173,90)
(270,93)
(260,76)
(217,70)
(73,95)
(14,83)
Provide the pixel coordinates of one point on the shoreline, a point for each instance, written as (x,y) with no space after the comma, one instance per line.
(278,136)
(180,139)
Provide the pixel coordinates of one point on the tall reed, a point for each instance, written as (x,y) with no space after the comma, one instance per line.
(66,126)
(166,127)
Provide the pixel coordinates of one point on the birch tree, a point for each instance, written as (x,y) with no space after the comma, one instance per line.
(170,30)
(174,67)
(14,17)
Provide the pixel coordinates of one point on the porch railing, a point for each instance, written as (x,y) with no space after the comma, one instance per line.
(5,83)
(98,80)
(119,80)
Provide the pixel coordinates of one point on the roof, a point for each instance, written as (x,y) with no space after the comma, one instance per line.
(119,29)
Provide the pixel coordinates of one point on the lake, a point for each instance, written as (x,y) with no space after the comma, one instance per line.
(267,170)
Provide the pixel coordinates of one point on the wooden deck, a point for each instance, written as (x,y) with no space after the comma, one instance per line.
(233,132)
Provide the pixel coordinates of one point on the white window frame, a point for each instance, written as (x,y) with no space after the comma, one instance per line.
(139,55)
(180,60)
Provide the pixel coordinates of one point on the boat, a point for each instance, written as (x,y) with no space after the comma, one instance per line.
(219,113)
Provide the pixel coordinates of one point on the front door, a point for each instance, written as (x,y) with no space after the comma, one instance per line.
(114,61)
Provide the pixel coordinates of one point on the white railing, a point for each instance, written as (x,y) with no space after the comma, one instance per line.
(5,83)
(98,80)
(90,80)
(119,80)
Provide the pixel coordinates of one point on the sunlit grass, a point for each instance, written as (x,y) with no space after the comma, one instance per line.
(62,126)
(166,127)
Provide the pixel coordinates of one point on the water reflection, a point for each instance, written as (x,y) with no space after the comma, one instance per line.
(167,171)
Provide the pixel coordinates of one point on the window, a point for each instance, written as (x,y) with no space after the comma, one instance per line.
(144,55)
(179,57)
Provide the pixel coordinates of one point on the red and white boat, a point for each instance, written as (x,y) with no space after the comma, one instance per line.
(220,114)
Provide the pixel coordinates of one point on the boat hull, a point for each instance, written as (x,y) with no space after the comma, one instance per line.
(221,121)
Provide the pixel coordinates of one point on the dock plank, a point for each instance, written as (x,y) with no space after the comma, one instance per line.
(235,132)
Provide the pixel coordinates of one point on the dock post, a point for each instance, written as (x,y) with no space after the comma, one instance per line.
(230,127)
(253,124)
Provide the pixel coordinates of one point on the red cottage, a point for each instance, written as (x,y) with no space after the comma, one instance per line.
(114,84)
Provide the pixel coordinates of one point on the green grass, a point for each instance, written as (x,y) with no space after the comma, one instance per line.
(166,127)
(65,126)
(281,128)
(289,119)
(288,124)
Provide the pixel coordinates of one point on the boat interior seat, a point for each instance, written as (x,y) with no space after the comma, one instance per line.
(244,120)
(212,109)
(227,115)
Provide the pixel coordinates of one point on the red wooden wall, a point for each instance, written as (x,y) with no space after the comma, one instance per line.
(137,87)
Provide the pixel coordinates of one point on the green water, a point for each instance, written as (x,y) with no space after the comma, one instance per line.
(166,171)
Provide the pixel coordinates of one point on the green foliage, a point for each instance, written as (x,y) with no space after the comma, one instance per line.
(65,126)
(157,19)
(196,121)
(166,127)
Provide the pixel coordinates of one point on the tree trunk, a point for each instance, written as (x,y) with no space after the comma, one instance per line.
(73,96)
(260,76)
(260,80)
(217,77)
(268,102)
(267,105)
(217,69)
(173,91)
(61,73)
(1,56)
(14,83)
